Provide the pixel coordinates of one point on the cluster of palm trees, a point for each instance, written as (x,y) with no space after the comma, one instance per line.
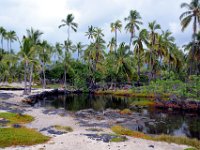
(9,36)
(149,53)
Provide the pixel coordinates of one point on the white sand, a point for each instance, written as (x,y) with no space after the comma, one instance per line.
(76,140)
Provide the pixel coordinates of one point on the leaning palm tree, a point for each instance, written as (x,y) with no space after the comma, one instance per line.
(116,26)
(193,12)
(133,23)
(69,22)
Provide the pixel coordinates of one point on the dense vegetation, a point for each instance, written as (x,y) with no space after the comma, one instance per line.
(151,60)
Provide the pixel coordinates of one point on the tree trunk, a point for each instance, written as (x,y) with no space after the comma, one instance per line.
(44,77)
(65,79)
(30,78)
(25,78)
(138,82)
(130,42)
(115,40)
(8,45)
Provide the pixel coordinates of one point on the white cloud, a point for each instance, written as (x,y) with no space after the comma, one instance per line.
(46,15)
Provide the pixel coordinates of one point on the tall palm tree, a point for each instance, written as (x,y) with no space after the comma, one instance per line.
(153,37)
(139,49)
(11,37)
(34,36)
(90,32)
(123,61)
(2,35)
(69,22)
(45,51)
(26,54)
(133,24)
(116,26)
(193,12)
(79,48)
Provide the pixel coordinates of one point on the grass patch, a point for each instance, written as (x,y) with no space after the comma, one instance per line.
(190,149)
(119,139)
(131,93)
(16,118)
(20,136)
(143,103)
(126,112)
(164,138)
(178,140)
(124,131)
(63,128)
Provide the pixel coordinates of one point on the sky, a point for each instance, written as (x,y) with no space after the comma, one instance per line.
(46,15)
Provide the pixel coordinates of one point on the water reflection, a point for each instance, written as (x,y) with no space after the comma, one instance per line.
(166,122)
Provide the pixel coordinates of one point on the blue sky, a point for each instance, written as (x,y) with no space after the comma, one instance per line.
(46,15)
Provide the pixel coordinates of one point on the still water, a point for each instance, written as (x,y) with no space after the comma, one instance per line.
(166,122)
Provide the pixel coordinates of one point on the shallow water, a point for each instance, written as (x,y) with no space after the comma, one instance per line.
(166,122)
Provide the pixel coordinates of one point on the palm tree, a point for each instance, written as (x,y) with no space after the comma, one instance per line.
(11,37)
(79,48)
(112,44)
(139,50)
(153,37)
(122,61)
(90,32)
(2,35)
(114,28)
(26,54)
(45,51)
(69,22)
(193,12)
(133,23)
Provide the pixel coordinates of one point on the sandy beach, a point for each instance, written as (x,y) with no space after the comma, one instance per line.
(77,139)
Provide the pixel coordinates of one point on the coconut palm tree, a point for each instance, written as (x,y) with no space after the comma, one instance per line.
(116,26)
(112,44)
(45,51)
(11,37)
(139,50)
(193,12)
(69,22)
(90,32)
(133,24)
(2,35)
(123,62)
(79,48)
(153,37)
(26,54)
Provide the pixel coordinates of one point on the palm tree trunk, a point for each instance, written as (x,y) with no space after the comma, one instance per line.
(25,78)
(2,45)
(138,82)
(115,40)
(65,78)
(30,78)
(44,76)
(68,32)
(8,45)
(130,42)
